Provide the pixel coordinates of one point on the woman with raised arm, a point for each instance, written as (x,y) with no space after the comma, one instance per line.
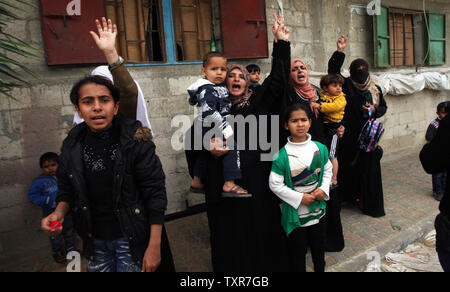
(246,233)
(359,172)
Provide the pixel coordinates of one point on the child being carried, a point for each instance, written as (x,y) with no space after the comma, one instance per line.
(211,97)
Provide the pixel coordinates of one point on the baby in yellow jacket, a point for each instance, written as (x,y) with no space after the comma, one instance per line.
(332,105)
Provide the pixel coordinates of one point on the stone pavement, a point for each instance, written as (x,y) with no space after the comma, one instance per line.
(410,212)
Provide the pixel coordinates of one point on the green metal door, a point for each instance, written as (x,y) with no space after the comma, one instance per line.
(381,38)
(436,38)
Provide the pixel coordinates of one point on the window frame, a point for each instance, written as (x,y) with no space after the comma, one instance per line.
(169,40)
(423,42)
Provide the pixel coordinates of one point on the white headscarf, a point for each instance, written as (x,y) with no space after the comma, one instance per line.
(141,111)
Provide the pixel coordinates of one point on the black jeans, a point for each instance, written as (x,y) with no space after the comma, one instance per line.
(299,240)
(442,225)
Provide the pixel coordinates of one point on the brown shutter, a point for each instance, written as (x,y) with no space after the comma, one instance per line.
(66,37)
(244,28)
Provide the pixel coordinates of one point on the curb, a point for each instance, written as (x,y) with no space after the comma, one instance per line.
(393,244)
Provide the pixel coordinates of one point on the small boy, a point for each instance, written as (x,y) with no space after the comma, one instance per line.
(255,75)
(332,105)
(43,193)
(211,97)
(438,179)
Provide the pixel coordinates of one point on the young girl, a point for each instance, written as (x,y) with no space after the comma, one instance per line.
(301,175)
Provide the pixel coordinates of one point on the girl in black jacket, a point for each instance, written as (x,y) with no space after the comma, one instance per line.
(113,183)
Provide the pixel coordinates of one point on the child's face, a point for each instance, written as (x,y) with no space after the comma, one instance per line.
(333,89)
(96,106)
(298,125)
(50,167)
(255,76)
(216,70)
(441,114)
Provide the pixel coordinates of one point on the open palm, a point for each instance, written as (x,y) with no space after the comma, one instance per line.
(107,33)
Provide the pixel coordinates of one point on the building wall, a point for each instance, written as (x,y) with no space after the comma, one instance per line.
(40,118)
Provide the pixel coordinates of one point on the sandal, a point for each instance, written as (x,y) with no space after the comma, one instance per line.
(233,193)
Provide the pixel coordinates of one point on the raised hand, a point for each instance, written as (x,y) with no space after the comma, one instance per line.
(279,30)
(106,39)
(341,43)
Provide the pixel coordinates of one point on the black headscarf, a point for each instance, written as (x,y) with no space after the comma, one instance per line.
(358,74)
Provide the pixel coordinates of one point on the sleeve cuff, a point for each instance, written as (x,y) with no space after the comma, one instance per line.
(156,217)
(281,48)
(227,132)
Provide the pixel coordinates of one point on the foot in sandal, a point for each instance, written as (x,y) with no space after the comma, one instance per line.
(197,186)
(232,190)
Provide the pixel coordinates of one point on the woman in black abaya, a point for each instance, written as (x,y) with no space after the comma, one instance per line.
(359,172)
(246,233)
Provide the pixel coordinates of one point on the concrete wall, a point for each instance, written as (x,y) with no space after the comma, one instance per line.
(39,120)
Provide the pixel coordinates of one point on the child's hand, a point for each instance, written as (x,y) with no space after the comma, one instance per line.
(319,194)
(218,147)
(315,105)
(152,259)
(107,32)
(308,199)
(106,39)
(46,224)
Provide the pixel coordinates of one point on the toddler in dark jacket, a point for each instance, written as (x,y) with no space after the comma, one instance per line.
(210,96)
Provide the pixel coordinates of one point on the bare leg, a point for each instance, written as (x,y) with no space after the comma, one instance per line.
(335,164)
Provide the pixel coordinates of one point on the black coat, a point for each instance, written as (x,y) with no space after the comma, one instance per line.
(358,179)
(139,191)
(435,158)
(246,233)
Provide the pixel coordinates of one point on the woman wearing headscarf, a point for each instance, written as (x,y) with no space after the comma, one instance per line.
(359,172)
(300,90)
(246,233)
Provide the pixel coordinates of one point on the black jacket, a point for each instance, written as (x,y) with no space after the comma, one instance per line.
(139,186)
(435,158)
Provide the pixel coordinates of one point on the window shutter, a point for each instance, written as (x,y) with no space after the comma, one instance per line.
(65,29)
(244,29)
(381,38)
(436,38)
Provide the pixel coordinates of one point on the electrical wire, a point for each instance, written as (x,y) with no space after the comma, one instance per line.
(428,31)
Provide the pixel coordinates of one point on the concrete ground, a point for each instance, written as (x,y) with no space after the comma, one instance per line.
(410,212)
